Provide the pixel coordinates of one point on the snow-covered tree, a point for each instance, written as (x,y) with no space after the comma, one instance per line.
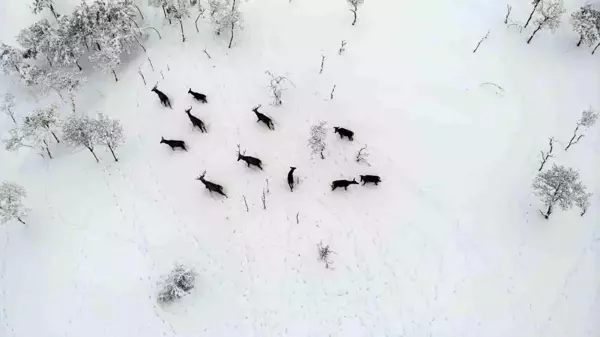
(32,75)
(109,57)
(10,58)
(81,131)
(11,202)
(587,120)
(277,85)
(225,16)
(63,81)
(560,186)
(316,142)
(38,38)
(18,139)
(110,133)
(40,5)
(549,16)
(7,106)
(44,120)
(162,4)
(586,23)
(178,283)
(178,10)
(354,8)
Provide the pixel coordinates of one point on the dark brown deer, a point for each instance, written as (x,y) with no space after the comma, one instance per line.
(210,186)
(174,143)
(198,96)
(344,132)
(343,183)
(164,99)
(248,159)
(290,178)
(263,118)
(370,179)
(196,122)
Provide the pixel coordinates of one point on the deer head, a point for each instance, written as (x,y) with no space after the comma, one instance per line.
(188,110)
(256,108)
(154,88)
(201,177)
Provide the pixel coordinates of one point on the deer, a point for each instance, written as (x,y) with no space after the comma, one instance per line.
(173,143)
(248,159)
(343,183)
(370,179)
(198,96)
(164,99)
(344,133)
(290,178)
(263,118)
(196,122)
(210,186)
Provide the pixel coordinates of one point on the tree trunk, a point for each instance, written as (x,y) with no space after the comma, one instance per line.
(580,41)
(593,51)
(534,32)
(232,32)
(47,149)
(531,14)
(21,221)
(98,46)
(93,153)
(354,12)
(12,117)
(53,12)
(141,45)
(113,152)
(73,103)
(182,34)
(49,62)
(114,73)
(141,15)
(548,212)
(196,23)
(55,138)
(78,65)
(165,13)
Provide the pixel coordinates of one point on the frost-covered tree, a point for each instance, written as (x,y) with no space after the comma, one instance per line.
(316,142)
(40,5)
(354,8)
(109,57)
(11,202)
(178,10)
(225,16)
(32,75)
(43,121)
(560,186)
(81,131)
(549,16)
(38,38)
(586,23)
(587,120)
(10,58)
(110,133)
(7,106)
(179,282)
(63,81)
(18,139)
(277,85)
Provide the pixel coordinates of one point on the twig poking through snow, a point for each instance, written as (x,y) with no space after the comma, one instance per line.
(324,254)
(142,75)
(362,155)
(322,63)
(151,65)
(481,41)
(332,92)
(508,9)
(342,48)
(207,54)
(298,218)
(161,74)
(501,92)
(246,203)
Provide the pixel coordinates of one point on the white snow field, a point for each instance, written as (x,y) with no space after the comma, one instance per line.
(450,244)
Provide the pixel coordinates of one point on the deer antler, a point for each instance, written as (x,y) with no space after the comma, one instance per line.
(188,110)
(156,85)
(202,175)
(256,108)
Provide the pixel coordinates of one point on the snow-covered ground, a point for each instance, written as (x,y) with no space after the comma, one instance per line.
(450,244)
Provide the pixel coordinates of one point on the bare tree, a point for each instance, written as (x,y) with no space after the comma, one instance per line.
(588,119)
(354,8)
(226,16)
(550,13)
(7,106)
(325,254)
(277,85)
(11,202)
(362,155)
(560,186)
(546,155)
(179,282)
(316,142)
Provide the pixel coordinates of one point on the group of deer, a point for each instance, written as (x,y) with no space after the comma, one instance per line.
(249,160)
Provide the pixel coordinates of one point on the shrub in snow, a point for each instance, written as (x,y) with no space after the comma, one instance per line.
(316,142)
(7,106)
(81,131)
(588,119)
(110,133)
(11,202)
(586,23)
(10,59)
(560,186)
(354,8)
(325,254)
(178,283)
(550,13)
(225,15)
(40,5)
(277,85)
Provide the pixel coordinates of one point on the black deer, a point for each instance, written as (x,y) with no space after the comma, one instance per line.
(343,183)
(248,159)
(198,96)
(196,122)
(344,132)
(164,99)
(210,186)
(263,118)
(291,178)
(174,143)
(370,179)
